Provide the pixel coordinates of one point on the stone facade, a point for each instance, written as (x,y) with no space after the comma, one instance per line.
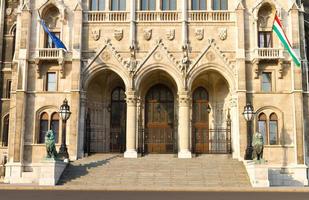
(182,49)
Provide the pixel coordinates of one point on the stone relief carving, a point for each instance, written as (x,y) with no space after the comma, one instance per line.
(170,34)
(157,56)
(106,56)
(147,34)
(8,11)
(96,34)
(118,34)
(210,56)
(199,33)
(222,33)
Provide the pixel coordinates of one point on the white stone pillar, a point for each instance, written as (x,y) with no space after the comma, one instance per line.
(132,23)
(184,127)
(131,125)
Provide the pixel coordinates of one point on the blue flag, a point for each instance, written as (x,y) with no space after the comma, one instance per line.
(58,43)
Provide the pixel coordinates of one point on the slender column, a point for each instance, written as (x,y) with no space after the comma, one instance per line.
(184,22)
(132,24)
(131,125)
(183,129)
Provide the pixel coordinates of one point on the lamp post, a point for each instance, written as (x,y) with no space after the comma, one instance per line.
(249,116)
(65,115)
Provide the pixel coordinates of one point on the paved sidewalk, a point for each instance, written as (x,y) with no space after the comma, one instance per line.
(156,171)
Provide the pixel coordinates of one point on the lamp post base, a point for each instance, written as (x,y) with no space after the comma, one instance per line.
(63,152)
(249,152)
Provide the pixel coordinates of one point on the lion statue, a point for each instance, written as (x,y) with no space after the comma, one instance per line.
(258,146)
(50,145)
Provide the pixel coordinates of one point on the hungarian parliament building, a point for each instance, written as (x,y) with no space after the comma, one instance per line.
(182,77)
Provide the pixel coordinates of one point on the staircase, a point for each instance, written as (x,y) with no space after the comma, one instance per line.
(108,170)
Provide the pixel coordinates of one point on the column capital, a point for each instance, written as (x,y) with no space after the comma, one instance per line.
(184,98)
(131,98)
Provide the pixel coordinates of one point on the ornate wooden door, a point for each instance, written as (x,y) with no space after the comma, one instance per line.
(200,121)
(159,120)
(118,121)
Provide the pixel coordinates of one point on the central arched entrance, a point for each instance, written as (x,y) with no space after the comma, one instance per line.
(200,121)
(159,120)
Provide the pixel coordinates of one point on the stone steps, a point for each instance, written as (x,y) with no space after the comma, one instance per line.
(156,171)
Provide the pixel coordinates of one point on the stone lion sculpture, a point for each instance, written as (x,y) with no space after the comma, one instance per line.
(258,146)
(50,145)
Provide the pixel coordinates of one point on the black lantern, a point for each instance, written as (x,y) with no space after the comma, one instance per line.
(249,116)
(65,110)
(65,114)
(248,112)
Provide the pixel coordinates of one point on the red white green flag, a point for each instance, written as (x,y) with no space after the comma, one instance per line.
(277,28)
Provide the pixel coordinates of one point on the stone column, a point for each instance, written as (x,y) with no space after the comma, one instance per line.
(297,88)
(184,22)
(131,125)
(132,24)
(242,79)
(184,126)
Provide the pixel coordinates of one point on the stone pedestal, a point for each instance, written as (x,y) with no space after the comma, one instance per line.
(13,173)
(258,174)
(51,171)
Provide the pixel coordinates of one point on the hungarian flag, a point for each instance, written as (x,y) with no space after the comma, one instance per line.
(285,41)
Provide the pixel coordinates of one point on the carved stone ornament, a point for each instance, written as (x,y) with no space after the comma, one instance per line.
(8,11)
(222,33)
(96,34)
(118,34)
(210,56)
(199,33)
(170,34)
(147,34)
(106,56)
(157,56)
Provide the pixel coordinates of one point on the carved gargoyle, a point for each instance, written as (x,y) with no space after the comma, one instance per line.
(258,146)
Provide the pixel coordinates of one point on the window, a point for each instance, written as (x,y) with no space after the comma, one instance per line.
(262,126)
(199,4)
(273,129)
(148,4)
(8,89)
(169,4)
(51,81)
(265,39)
(49,42)
(266,82)
(97,5)
(219,5)
(118,5)
(43,127)
(5,131)
(54,125)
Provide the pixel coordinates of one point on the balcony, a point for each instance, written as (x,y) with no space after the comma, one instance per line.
(212,16)
(268,53)
(110,16)
(161,16)
(49,54)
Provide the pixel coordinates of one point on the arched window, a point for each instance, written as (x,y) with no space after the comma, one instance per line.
(169,4)
(54,125)
(148,4)
(5,131)
(262,126)
(273,129)
(43,127)
(96,5)
(265,23)
(51,18)
(118,5)
(219,5)
(199,4)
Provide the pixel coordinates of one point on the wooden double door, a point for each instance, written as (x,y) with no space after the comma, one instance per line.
(159,120)
(200,121)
